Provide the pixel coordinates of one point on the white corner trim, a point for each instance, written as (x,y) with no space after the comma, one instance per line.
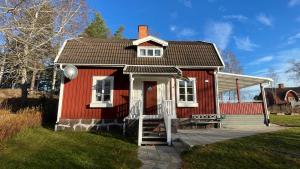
(220,57)
(61,95)
(150,38)
(95,103)
(60,51)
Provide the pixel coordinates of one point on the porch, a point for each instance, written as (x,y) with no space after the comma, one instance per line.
(152,102)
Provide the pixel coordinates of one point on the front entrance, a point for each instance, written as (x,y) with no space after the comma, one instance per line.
(150,98)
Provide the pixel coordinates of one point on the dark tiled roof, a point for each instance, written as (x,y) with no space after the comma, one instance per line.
(177,53)
(281,92)
(151,69)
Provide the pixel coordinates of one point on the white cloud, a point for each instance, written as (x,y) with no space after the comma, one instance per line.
(264,19)
(173,28)
(280,63)
(187,3)
(182,32)
(293,39)
(238,17)
(245,43)
(294,3)
(219,33)
(262,60)
(186,32)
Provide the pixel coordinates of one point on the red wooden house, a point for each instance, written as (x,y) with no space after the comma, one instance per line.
(121,82)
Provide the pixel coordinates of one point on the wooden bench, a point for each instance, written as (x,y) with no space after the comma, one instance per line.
(206,119)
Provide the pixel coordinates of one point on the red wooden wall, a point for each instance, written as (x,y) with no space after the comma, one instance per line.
(241,108)
(205,93)
(77,95)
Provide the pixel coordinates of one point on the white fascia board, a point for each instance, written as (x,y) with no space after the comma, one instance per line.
(245,76)
(150,38)
(60,50)
(122,65)
(220,57)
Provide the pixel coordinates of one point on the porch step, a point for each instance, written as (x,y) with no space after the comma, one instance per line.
(154,143)
(154,132)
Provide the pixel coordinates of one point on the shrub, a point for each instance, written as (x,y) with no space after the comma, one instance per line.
(12,123)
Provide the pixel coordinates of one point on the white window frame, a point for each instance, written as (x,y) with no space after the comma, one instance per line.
(149,48)
(193,103)
(96,103)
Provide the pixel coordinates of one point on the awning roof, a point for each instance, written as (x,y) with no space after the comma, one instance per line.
(159,70)
(227,81)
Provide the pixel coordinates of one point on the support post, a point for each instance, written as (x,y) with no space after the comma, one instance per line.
(173,98)
(217,96)
(265,107)
(238,91)
(130,91)
(130,102)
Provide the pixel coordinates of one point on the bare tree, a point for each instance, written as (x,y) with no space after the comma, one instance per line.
(33,28)
(273,75)
(232,65)
(294,69)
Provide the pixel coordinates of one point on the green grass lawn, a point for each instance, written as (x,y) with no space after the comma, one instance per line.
(278,150)
(42,148)
(285,120)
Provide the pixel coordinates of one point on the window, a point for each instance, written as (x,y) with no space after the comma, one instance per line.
(143,52)
(186,93)
(157,52)
(102,92)
(150,51)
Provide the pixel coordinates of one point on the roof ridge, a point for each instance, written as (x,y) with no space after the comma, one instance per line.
(130,40)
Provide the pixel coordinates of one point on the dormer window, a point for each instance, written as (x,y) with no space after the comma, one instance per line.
(150,51)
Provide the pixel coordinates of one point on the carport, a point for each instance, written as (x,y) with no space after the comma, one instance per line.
(241,109)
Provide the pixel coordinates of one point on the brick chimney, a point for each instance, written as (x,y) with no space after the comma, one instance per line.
(143,31)
(280,85)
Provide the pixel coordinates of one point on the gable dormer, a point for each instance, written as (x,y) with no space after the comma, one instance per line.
(147,45)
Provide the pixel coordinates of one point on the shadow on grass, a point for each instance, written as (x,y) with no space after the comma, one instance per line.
(117,135)
(48,107)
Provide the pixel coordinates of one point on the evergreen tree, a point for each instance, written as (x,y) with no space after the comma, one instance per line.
(119,33)
(97,28)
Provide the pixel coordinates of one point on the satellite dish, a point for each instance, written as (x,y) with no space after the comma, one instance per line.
(71,72)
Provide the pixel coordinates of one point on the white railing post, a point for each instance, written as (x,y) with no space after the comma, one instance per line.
(167,114)
(140,134)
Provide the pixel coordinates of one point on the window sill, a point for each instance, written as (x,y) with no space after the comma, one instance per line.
(101,104)
(187,104)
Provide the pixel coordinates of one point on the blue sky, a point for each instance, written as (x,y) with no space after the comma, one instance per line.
(264,34)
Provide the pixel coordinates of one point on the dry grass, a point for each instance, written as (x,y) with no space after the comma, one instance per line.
(12,123)
(10,93)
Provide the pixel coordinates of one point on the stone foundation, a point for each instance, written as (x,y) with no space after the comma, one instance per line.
(89,125)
